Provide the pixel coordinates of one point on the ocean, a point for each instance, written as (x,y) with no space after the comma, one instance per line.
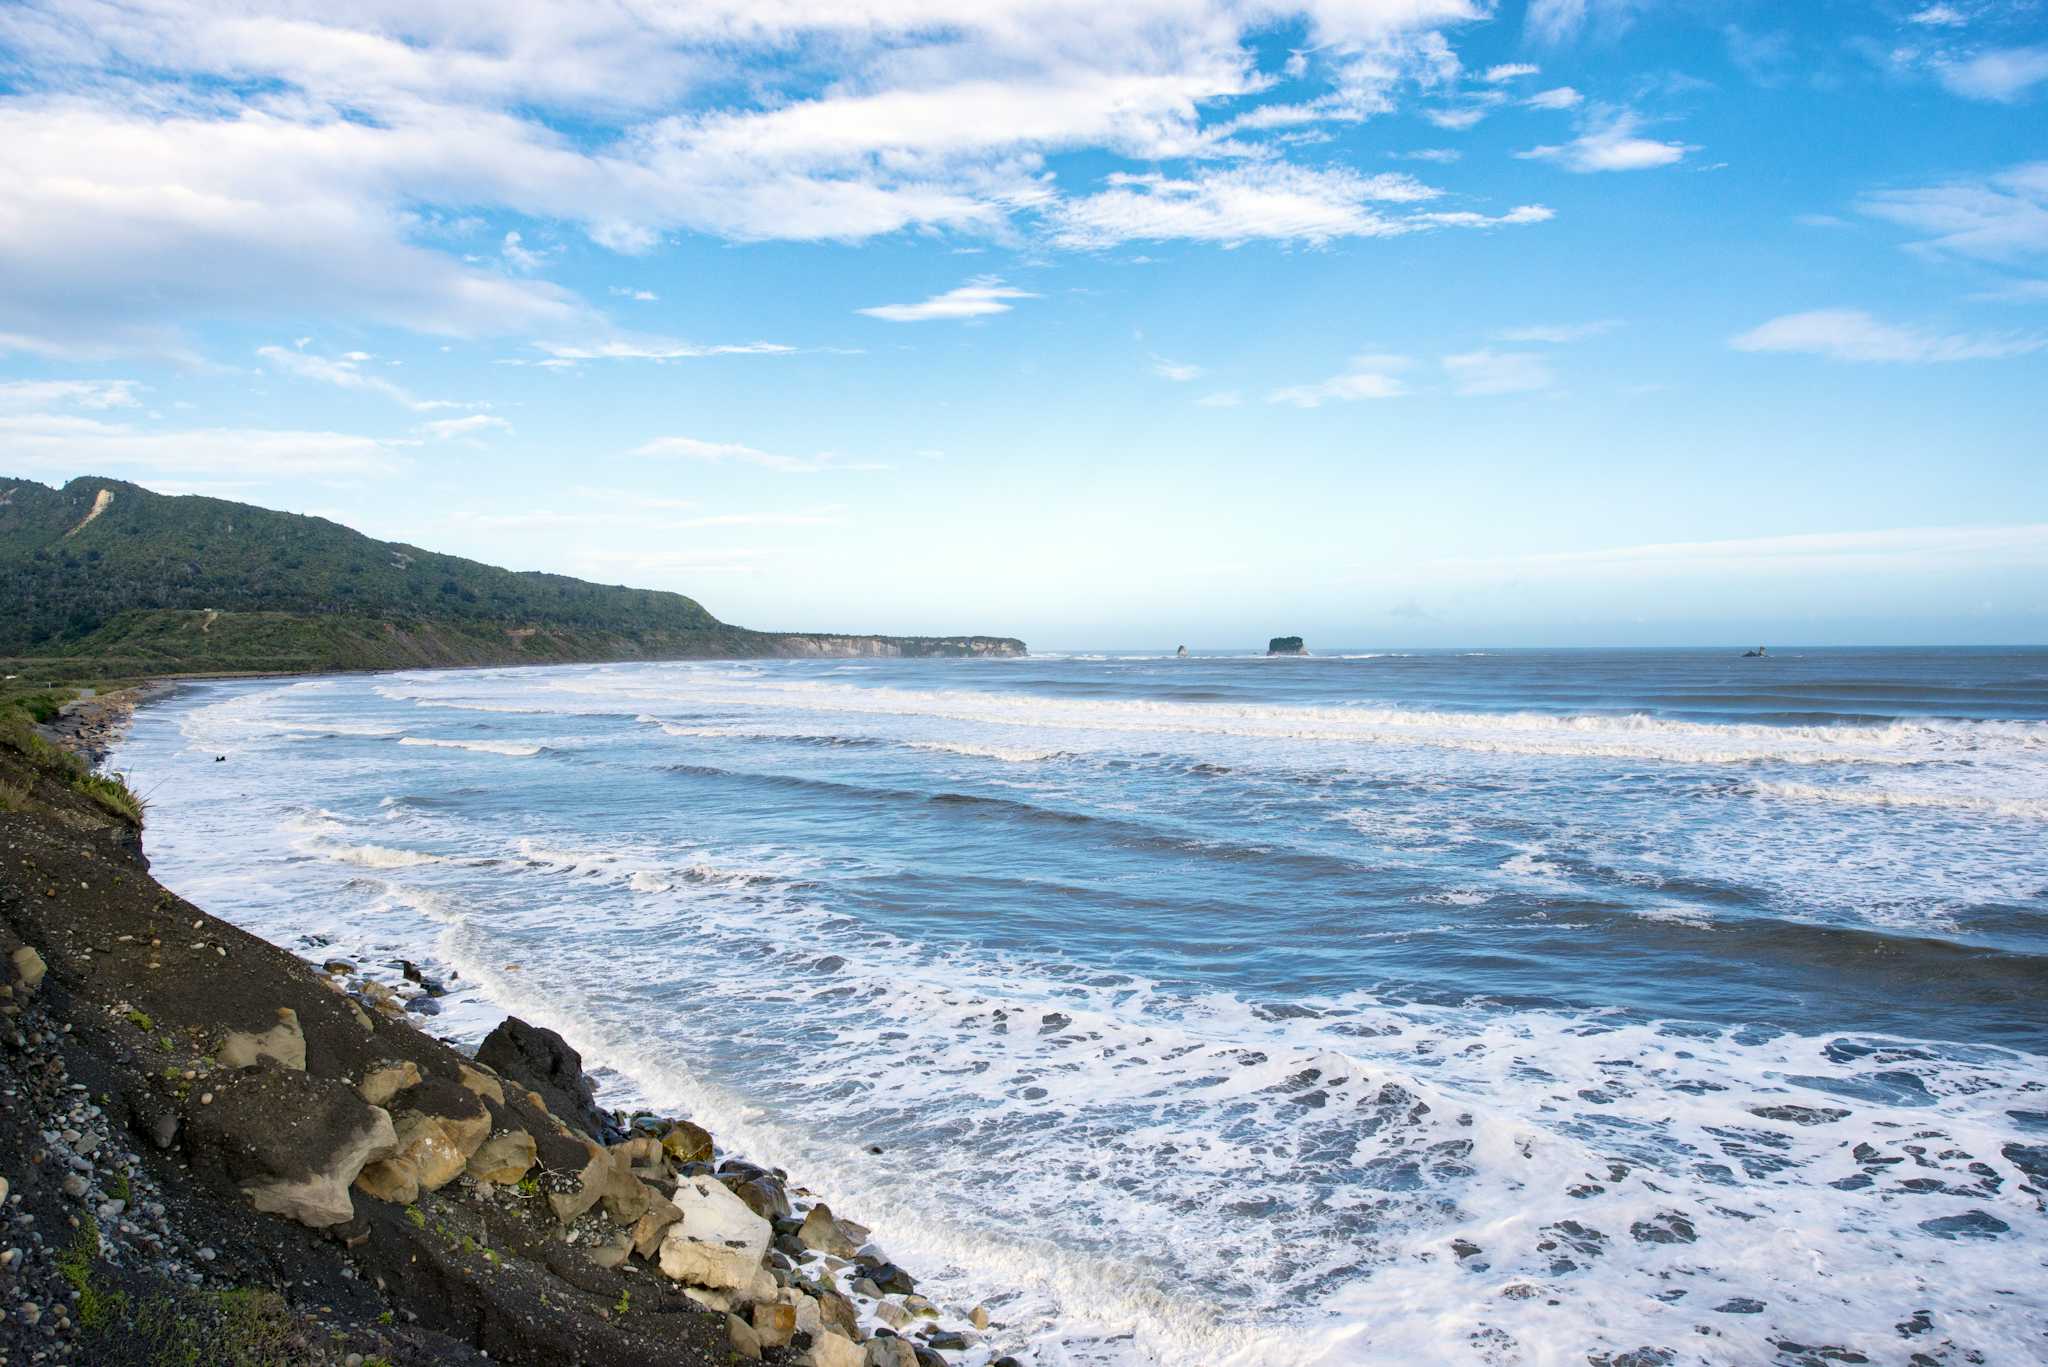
(1378,1007)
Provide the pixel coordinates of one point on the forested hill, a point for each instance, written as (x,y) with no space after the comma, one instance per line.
(140,582)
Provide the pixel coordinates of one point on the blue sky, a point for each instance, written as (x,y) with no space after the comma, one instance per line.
(1384,321)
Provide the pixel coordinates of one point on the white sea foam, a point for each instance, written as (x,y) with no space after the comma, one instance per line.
(514,749)
(1874,795)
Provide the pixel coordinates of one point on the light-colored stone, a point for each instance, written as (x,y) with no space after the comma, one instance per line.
(892,1314)
(774,1323)
(387,1080)
(434,1153)
(482,1083)
(979,1317)
(745,1341)
(396,1180)
(321,1198)
(890,1353)
(821,1234)
(640,1151)
(808,1317)
(833,1349)
(649,1228)
(718,1243)
(29,966)
(503,1158)
(586,1188)
(283,1044)
(708,1298)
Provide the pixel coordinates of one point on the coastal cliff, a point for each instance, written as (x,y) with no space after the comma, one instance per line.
(216,1151)
(106,578)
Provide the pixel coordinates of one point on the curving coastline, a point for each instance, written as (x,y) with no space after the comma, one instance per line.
(214,1150)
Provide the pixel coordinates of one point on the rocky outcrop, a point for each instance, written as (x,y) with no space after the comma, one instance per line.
(1286,645)
(292,1143)
(542,1062)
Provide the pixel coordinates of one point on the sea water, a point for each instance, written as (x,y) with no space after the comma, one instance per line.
(1490,1007)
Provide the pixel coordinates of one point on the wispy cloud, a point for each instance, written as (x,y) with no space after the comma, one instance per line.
(2002,217)
(1488,372)
(1222,398)
(1938,16)
(2000,75)
(1557,333)
(475,425)
(1611,143)
(1508,71)
(1853,335)
(94,394)
(1177,371)
(1561,97)
(1369,376)
(977,298)
(637,295)
(720,452)
(346,372)
(75,445)
(656,349)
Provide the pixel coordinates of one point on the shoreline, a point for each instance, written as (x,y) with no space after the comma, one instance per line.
(818,1292)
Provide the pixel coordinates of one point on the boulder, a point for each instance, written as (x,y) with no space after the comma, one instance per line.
(821,1233)
(387,1080)
(687,1143)
(626,1198)
(890,1352)
(718,1243)
(1286,645)
(542,1061)
(481,1082)
(774,1323)
(504,1158)
(763,1195)
(650,1227)
(283,1044)
(572,1192)
(832,1349)
(292,1143)
(461,1112)
(745,1342)
(29,967)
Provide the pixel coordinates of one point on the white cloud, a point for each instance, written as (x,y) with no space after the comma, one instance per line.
(977,298)
(1557,333)
(1442,156)
(655,349)
(718,452)
(1853,335)
(96,394)
(345,372)
(472,426)
(638,296)
(1939,16)
(1560,21)
(1177,371)
(1264,201)
(1367,377)
(2001,75)
(1487,372)
(77,445)
(1222,398)
(1456,120)
(2002,217)
(1562,97)
(1509,71)
(517,256)
(1610,144)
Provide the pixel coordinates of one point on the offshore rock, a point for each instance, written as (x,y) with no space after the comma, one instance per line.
(1286,645)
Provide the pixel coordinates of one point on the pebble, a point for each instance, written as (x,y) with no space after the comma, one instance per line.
(206,1255)
(206,1098)
(74,1185)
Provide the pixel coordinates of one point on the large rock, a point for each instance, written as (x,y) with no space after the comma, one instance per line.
(283,1044)
(832,1349)
(29,967)
(687,1143)
(719,1243)
(1286,645)
(503,1158)
(292,1143)
(890,1352)
(541,1061)
(820,1233)
(387,1080)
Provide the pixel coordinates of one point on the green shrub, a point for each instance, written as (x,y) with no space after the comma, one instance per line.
(13,797)
(111,793)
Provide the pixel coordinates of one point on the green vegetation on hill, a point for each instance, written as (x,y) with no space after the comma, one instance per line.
(105,577)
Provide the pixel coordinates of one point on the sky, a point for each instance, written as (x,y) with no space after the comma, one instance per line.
(1384,322)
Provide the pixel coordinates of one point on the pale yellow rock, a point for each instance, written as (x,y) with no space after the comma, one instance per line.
(833,1349)
(822,1234)
(503,1158)
(649,1228)
(979,1317)
(283,1044)
(395,1180)
(687,1143)
(890,1353)
(30,967)
(321,1197)
(387,1080)
(892,1314)
(774,1324)
(481,1082)
(589,1185)
(424,1139)
(709,1298)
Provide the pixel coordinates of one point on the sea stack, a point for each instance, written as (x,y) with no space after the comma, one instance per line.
(1181,654)
(1286,645)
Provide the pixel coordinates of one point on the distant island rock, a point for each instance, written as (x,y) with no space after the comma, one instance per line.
(1181,654)
(1286,645)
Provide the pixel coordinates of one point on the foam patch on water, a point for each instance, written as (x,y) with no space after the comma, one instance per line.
(514,749)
